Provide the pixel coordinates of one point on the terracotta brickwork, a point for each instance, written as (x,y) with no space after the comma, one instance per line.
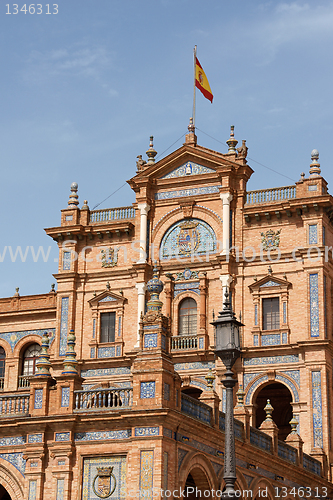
(132,398)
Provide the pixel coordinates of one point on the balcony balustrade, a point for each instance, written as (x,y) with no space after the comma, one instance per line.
(103,399)
(270,195)
(112,214)
(13,405)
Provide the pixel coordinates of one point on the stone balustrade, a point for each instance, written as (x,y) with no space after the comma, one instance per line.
(270,195)
(13,405)
(182,342)
(24,381)
(194,408)
(103,399)
(112,214)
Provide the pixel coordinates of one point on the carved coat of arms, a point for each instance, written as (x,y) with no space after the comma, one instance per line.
(188,238)
(270,239)
(109,257)
(104,482)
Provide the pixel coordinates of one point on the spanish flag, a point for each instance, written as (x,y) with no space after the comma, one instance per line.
(201,81)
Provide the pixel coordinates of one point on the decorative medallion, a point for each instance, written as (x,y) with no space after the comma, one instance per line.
(109,257)
(187,274)
(104,482)
(270,239)
(186,238)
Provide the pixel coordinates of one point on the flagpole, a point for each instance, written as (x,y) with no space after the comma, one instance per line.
(195,61)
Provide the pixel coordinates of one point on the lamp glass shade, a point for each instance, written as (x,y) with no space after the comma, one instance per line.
(227,336)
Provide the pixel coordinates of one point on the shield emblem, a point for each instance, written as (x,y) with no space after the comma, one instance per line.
(109,257)
(270,239)
(188,238)
(104,482)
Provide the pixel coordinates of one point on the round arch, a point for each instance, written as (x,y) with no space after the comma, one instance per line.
(186,294)
(24,343)
(240,484)
(258,383)
(12,480)
(200,469)
(260,484)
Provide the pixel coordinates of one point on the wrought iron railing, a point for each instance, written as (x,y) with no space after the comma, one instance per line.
(183,342)
(103,399)
(311,464)
(108,214)
(195,408)
(14,405)
(270,195)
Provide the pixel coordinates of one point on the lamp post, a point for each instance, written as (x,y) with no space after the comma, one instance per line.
(227,348)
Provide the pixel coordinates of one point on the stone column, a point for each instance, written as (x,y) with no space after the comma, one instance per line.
(141,288)
(226,199)
(144,209)
(203,295)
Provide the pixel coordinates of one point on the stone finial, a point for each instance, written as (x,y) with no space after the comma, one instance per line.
(191,138)
(270,270)
(154,287)
(85,205)
(232,142)
(240,396)
(73,197)
(70,361)
(269,410)
(315,165)
(52,288)
(43,364)
(151,153)
(210,377)
(108,286)
(16,294)
(302,177)
(294,423)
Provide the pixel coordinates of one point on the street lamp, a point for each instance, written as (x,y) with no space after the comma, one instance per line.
(227,348)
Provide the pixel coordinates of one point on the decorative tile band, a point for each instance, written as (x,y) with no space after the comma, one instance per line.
(165,470)
(284,312)
(103,372)
(63,326)
(146,431)
(92,352)
(187,169)
(65,397)
(15,459)
(248,377)
(180,193)
(38,402)
(101,436)
(256,314)
(119,326)
(32,490)
(35,438)
(60,489)
(13,337)
(253,387)
(295,375)
(271,360)
(256,340)
(271,339)
(147,390)
(196,365)
(314,305)
(290,384)
(66,261)
(150,340)
(146,473)
(317,410)
(13,441)
(313,234)
(284,338)
(106,352)
(62,436)
(94,328)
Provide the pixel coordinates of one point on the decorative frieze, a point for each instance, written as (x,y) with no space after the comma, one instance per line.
(63,326)
(180,193)
(189,168)
(317,417)
(102,436)
(146,431)
(13,337)
(146,473)
(314,305)
(271,360)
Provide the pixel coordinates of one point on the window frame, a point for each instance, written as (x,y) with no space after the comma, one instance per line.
(195,315)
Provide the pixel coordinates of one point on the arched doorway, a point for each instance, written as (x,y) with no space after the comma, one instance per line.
(197,482)
(4,495)
(280,398)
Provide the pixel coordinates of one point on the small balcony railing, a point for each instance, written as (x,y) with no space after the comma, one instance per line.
(183,342)
(270,195)
(103,399)
(24,381)
(14,405)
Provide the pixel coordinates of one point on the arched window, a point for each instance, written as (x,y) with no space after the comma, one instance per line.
(187,324)
(2,365)
(30,356)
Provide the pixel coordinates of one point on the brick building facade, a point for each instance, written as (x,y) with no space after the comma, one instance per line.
(124,394)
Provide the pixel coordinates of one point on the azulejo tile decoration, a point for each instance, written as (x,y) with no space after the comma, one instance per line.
(253,387)
(317,418)
(60,489)
(271,360)
(103,436)
(280,378)
(146,473)
(106,352)
(13,337)
(188,237)
(108,298)
(166,391)
(271,339)
(61,462)
(295,375)
(165,470)
(187,274)
(32,489)
(35,438)
(217,468)
(13,441)
(256,314)
(168,433)
(284,312)
(103,372)
(248,377)
(270,283)
(92,352)
(34,464)
(150,340)
(183,287)
(314,305)
(147,390)
(66,261)
(256,340)
(181,455)
(63,326)
(118,350)
(188,168)
(15,459)
(196,365)
(119,326)
(146,431)
(62,436)
(91,479)
(65,397)
(313,234)
(180,193)
(38,401)
(201,343)
(284,338)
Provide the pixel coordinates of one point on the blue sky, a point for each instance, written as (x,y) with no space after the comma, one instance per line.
(81,91)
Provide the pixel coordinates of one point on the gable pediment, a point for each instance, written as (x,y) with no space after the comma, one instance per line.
(187,169)
(106,297)
(269,281)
